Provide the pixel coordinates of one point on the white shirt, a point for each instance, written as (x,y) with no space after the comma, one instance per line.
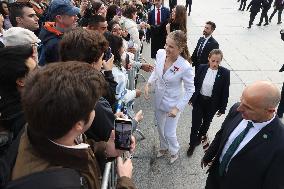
(80,145)
(156,12)
(206,39)
(251,133)
(208,82)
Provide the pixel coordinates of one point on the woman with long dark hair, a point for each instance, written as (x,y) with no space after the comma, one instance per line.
(119,71)
(177,20)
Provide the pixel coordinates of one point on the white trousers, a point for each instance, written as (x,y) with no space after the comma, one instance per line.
(167,127)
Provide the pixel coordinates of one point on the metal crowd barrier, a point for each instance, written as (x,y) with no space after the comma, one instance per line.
(110,176)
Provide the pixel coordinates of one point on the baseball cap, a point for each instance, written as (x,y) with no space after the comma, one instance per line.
(19,36)
(62,7)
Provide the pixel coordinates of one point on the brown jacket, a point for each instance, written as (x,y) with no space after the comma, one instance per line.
(38,154)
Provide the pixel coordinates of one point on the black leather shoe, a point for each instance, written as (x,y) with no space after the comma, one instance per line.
(248,27)
(266,24)
(259,24)
(190,150)
(279,22)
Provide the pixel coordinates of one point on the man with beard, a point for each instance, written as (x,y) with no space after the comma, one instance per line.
(64,15)
(204,45)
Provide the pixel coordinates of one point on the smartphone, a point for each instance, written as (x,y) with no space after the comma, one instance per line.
(123,132)
(127,61)
(107,54)
(118,12)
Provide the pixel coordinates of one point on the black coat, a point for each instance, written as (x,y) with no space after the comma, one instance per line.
(209,46)
(220,93)
(259,165)
(255,5)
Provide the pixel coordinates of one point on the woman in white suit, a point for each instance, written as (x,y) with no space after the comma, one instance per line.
(173,80)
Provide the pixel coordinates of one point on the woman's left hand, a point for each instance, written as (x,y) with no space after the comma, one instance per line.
(173,112)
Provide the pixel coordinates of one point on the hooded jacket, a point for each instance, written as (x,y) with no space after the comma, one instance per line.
(50,37)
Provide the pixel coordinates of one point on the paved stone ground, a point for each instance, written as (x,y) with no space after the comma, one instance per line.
(255,54)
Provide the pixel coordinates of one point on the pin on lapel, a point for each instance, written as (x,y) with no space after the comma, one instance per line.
(218,75)
(265,136)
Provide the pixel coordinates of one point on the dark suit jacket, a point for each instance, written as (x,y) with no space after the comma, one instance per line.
(209,46)
(255,5)
(259,165)
(278,4)
(220,93)
(158,33)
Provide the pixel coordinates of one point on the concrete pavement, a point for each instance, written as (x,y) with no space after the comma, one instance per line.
(251,54)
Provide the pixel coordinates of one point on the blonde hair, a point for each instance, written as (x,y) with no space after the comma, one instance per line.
(181,41)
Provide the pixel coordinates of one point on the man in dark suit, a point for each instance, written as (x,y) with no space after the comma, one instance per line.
(204,45)
(243,5)
(248,151)
(188,4)
(265,8)
(255,6)
(278,6)
(211,95)
(157,19)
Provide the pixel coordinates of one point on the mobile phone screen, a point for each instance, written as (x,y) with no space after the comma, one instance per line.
(107,54)
(123,131)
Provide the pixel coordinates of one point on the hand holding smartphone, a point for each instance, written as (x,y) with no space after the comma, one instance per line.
(123,133)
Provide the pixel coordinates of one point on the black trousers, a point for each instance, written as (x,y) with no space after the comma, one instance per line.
(202,115)
(188,4)
(264,15)
(279,14)
(243,5)
(280,110)
(252,17)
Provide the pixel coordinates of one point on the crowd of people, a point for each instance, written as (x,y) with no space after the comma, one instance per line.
(66,65)
(255,6)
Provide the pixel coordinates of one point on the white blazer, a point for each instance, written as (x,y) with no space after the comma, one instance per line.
(169,90)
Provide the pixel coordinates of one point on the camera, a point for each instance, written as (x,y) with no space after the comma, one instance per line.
(123,132)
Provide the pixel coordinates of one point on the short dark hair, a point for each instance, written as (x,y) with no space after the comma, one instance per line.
(13,65)
(217,52)
(82,45)
(111,12)
(94,20)
(59,95)
(16,10)
(212,24)
(129,11)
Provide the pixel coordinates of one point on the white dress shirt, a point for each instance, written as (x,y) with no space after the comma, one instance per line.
(208,82)
(206,40)
(251,133)
(156,12)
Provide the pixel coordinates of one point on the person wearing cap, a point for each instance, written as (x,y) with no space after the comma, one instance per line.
(64,15)
(21,36)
